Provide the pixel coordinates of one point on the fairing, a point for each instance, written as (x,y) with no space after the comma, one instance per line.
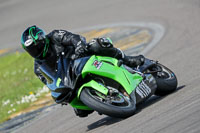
(108,67)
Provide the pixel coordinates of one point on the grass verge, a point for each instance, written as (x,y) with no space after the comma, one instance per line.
(19,87)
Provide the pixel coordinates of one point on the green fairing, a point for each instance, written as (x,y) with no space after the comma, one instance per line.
(93,84)
(76,103)
(120,74)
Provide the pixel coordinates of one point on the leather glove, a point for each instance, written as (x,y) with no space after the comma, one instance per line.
(80,50)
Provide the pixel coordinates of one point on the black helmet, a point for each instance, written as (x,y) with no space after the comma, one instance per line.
(33,40)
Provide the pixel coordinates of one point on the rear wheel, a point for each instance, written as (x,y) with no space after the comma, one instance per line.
(114,105)
(166,80)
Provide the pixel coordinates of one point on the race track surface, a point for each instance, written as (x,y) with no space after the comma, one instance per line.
(178,49)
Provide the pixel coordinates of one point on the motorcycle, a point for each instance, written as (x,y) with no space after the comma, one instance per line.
(106,85)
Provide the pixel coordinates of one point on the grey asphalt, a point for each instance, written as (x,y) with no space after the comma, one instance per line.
(178,49)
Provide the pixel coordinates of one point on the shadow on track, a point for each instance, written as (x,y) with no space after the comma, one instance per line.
(110,120)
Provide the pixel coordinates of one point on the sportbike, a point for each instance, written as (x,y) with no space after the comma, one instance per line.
(106,85)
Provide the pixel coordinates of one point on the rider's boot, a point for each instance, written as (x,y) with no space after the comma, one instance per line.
(134,61)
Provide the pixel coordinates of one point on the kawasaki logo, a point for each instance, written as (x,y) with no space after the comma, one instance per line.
(97,64)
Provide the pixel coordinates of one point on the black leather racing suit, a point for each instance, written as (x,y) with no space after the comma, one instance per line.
(74,46)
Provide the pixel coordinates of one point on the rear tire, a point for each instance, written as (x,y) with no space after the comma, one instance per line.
(95,102)
(166,81)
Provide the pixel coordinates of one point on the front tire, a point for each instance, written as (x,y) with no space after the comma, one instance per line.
(166,81)
(123,108)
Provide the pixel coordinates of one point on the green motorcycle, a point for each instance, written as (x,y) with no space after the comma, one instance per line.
(106,85)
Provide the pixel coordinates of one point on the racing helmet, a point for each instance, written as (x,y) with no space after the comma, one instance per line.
(34,41)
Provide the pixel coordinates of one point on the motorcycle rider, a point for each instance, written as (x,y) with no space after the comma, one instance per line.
(47,48)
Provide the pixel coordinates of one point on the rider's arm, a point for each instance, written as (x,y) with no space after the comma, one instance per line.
(64,39)
(38,73)
(104,47)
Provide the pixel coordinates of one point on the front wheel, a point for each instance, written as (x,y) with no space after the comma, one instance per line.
(166,80)
(117,105)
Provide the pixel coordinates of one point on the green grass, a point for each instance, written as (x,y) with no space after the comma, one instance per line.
(17,79)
